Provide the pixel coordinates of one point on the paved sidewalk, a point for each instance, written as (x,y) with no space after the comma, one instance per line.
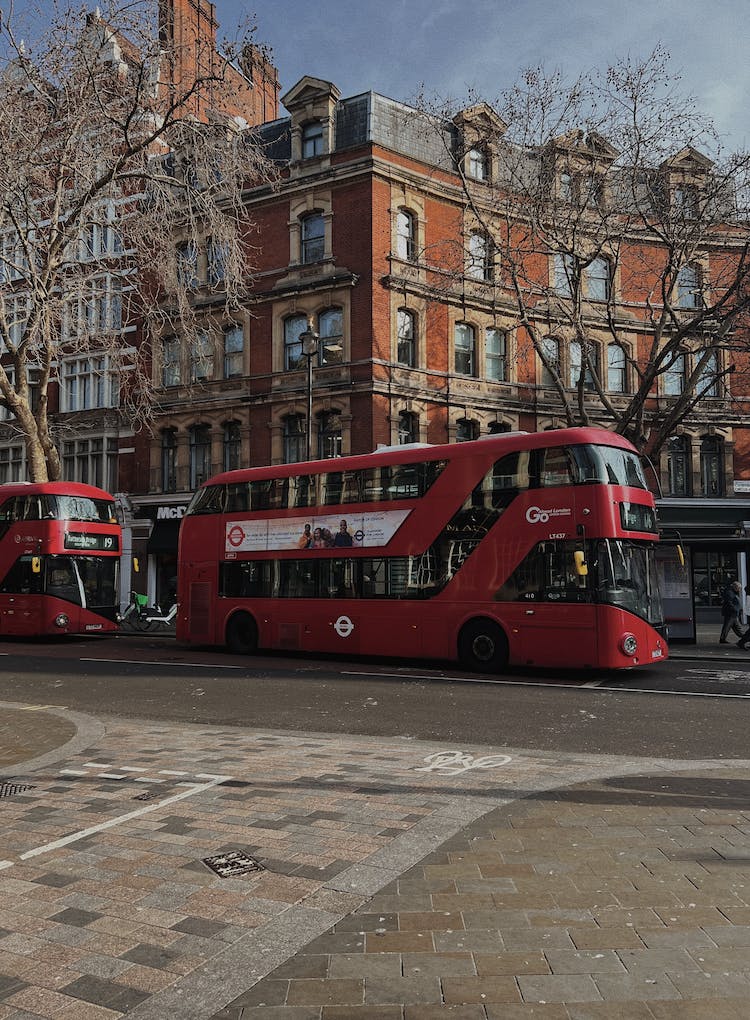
(400,880)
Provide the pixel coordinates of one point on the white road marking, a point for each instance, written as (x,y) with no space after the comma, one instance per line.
(74,837)
(143,662)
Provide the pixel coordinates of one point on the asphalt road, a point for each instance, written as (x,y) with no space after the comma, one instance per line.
(677,710)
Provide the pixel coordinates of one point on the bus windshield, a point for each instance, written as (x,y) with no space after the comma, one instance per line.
(626,577)
(609,465)
(82,508)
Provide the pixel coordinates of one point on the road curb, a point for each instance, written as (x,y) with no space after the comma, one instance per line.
(88,730)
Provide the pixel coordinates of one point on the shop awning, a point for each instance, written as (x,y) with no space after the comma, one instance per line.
(163,539)
(706,521)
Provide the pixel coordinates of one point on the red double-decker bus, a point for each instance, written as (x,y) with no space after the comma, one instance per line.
(516,549)
(59,554)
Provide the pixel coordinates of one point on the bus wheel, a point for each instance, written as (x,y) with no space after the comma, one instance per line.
(483,645)
(242,634)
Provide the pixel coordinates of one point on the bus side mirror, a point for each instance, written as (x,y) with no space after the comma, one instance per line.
(36,565)
(136,565)
(579,558)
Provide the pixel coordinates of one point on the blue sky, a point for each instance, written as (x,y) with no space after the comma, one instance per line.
(450,45)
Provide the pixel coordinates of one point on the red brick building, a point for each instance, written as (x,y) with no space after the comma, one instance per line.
(369,242)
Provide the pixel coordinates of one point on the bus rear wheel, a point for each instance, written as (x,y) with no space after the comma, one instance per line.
(242,634)
(482,645)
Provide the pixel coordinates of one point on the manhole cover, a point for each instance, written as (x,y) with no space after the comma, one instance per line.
(235,862)
(12,789)
(147,795)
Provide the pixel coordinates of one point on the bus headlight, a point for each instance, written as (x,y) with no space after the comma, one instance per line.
(61,620)
(629,644)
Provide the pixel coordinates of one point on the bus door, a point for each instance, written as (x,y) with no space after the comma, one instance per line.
(553,610)
(21,599)
(558,633)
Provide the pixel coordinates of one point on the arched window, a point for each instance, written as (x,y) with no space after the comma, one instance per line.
(294,326)
(496,428)
(200,455)
(466,430)
(407,332)
(464,344)
(550,349)
(478,257)
(679,470)
(578,354)
(615,369)
(496,355)
(689,286)
(232,445)
(169,460)
(408,427)
(712,466)
(406,235)
(331,332)
(294,439)
(312,139)
(313,239)
(329,435)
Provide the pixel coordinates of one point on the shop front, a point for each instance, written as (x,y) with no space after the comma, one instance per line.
(157,573)
(712,536)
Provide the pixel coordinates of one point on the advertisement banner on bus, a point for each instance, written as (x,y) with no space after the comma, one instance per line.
(356,531)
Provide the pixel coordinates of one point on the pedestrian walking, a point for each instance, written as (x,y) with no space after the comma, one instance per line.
(731,612)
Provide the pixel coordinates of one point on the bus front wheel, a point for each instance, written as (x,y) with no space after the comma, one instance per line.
(242,634)
(482,645)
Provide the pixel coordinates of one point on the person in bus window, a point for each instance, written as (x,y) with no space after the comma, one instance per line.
(343,537)
(731,612)
(305,539)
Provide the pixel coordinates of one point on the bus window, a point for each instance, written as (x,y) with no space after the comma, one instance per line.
(556,467)
(302,491)
(551,572)
(82,509)
(269,494)
(62,581)
(609,465)
(22,579)
(331,486)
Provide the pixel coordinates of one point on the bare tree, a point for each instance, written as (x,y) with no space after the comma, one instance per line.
(613,228)
(116,164)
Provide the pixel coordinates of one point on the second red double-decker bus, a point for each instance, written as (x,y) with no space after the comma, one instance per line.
(517,549)
(59,555)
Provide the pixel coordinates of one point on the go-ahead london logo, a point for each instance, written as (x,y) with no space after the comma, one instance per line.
(535,514)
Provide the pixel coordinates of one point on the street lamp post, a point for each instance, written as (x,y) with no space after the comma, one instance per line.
(309,340)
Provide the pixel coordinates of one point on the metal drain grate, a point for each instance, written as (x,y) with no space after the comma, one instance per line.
(147,795)
(235,862)
(12,789)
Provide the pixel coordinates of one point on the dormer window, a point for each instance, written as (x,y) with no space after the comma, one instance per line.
(476,164)
(312,139)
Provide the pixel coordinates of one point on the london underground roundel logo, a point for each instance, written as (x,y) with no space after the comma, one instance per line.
(235,535)
(343,626)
